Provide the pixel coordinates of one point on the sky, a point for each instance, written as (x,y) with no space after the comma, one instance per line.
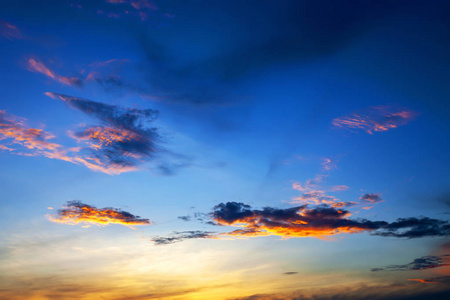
(238,150)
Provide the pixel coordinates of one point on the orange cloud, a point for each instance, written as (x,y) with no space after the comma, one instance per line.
(378,118)
(15,132)
(424,281)
(39,67)
(76,212)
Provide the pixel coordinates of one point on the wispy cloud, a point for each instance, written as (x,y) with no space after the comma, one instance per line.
(76,212)
(9,31)
(15,131)
(40,67)
(183,235)
(377,118)
(139,8)
(110,75)
(438,280)
(328,164)
(313,193)
(422,263)
(137,4)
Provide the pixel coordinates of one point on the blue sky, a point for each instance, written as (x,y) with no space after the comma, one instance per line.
(224,149)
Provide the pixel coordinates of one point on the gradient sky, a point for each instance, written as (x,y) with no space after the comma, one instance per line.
(224,149)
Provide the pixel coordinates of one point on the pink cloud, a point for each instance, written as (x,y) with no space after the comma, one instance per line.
(377,118)
(9,31)
(39,67)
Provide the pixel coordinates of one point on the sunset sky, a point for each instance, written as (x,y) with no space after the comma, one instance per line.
(239,150)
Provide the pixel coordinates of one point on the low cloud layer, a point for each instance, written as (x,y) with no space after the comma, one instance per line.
(76,212)
(377,118)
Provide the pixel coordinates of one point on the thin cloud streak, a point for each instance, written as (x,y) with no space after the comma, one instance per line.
(40,67)
(375,119)
(422,263)
(76,212)
(183,235)
(9,31)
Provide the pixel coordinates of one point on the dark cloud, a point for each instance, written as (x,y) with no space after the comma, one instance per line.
(302,221)
(290,273)
(274,33)
(183,235)
(415,228)
(124,141)
(422,263)
(76,212)
(185,218)
(299,221)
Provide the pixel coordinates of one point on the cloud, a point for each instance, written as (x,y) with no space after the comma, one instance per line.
(319,222)
(123,143)
(137,4)
(376,118)
(126,139)
(9,31)
(28,141)
(39,67)
(299,221)
(76,212)
(107,74)
(328,164)
(290,273)
(422,263)
(17,132)
(183,235)
(424,280)
(141,9)
(290,33)
(371,198)
(415,228)
(313,193)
